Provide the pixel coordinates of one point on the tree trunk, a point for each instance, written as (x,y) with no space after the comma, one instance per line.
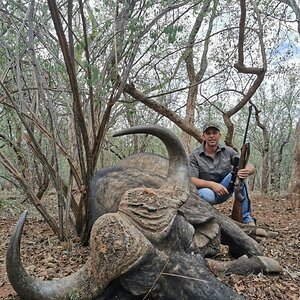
(294,185)
(265,153)
(189,117)
(194,77)
(276,175)
(277,164)
(265,167)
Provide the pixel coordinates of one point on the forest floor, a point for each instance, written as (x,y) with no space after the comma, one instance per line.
(44,256)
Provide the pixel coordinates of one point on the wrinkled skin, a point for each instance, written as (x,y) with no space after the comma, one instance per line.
(106,193)
(150,234)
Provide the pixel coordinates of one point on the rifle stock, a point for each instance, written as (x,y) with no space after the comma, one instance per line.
(236,213)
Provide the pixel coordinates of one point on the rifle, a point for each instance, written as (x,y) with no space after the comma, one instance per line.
(236,213)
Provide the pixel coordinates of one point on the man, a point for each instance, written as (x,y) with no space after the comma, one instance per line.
(211,166)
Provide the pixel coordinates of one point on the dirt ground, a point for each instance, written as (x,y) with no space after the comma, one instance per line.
(47,258)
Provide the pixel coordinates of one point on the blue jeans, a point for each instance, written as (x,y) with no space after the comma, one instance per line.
(211,197)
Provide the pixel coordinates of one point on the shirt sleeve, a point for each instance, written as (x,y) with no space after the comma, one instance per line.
(193,164)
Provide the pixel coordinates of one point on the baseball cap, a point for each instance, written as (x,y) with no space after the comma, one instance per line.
(211,125)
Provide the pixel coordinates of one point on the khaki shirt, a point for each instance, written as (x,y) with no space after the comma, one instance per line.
(205,167)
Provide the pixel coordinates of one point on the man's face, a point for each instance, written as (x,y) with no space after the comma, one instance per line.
(211,136)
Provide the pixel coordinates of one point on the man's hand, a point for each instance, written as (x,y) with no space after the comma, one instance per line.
(243,173)
(219,189)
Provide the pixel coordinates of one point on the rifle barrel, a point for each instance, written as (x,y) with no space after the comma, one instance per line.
(247,125)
